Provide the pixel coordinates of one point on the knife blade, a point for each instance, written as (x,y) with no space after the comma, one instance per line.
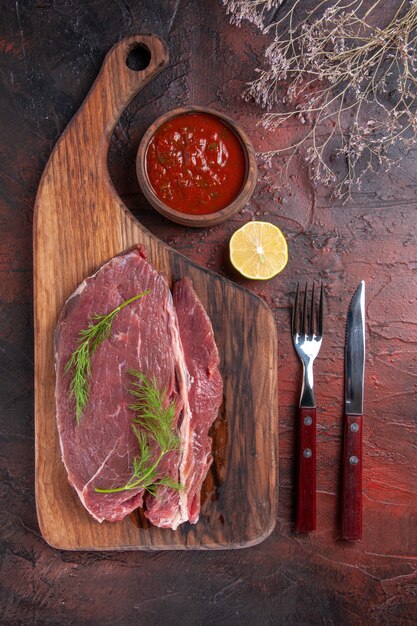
(354,390)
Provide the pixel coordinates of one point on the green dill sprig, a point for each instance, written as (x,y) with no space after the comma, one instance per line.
(80,360)
(153,428)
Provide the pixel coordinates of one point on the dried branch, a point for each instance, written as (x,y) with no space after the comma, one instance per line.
(351,82)
(254,11)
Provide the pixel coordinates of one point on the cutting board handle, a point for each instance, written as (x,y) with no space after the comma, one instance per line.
(76,201)
(117,83)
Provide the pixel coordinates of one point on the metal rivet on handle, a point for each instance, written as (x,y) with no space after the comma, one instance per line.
(353,460)
(307,453)
(308,420)
(354,427)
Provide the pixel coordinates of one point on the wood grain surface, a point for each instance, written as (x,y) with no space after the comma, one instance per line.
(80,223)
(51,53)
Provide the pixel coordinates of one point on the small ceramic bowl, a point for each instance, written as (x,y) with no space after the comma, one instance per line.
(210,218)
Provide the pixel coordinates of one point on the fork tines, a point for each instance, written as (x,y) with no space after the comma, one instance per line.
(302,318)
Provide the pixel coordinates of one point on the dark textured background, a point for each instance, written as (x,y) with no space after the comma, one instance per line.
(51,52)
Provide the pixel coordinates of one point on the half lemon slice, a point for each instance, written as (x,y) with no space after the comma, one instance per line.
(258,250)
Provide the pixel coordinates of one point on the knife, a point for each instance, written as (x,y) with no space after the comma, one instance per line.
(352,449)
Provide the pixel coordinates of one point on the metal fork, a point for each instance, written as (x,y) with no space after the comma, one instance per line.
(307,332)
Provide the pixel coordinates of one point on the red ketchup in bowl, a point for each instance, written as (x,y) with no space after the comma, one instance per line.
(196,164)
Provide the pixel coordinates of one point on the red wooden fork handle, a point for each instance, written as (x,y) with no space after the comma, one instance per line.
(352,479)
(306,509)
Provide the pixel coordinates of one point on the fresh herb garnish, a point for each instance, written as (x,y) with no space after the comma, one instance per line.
(80,360)
(153,427)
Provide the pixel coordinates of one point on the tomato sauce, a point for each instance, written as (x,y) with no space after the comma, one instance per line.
(196,164)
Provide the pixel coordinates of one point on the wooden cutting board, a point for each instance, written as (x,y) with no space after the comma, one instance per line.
(80,222)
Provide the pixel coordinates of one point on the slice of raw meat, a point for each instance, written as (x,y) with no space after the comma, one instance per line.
(99,451)
(173,345)
(201,391)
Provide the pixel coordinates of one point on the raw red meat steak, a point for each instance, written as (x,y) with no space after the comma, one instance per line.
(201,392)
(148,336)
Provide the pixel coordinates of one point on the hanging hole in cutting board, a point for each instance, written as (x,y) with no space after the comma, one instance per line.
(139,57)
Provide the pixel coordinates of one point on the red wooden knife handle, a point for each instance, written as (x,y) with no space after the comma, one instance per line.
(306,509)
(352,479)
